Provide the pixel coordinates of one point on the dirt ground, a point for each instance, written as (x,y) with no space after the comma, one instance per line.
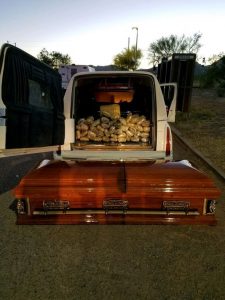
(204,126)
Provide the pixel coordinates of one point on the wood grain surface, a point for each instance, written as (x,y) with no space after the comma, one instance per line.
(145,185)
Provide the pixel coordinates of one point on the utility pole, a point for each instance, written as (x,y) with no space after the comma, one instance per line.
(136,28)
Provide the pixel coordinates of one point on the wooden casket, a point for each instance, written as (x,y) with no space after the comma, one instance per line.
(71,192)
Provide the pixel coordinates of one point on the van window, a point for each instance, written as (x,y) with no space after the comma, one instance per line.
(39,96)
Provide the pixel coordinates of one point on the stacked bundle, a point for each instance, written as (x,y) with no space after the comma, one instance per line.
(133,128)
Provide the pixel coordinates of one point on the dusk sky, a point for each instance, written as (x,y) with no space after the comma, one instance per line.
(93,32)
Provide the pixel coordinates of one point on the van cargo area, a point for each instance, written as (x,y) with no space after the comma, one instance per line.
(114,112)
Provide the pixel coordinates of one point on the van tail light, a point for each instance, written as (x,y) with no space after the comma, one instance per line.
(168,142)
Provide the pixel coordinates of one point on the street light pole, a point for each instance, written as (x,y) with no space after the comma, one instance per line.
(136,28)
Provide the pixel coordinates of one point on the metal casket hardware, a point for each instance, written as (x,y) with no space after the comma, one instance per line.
(56,205)
(176,206)
(113,205)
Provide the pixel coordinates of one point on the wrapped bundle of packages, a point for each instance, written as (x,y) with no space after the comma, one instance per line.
(113,128)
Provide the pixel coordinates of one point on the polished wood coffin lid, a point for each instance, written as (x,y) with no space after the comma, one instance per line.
(170,177)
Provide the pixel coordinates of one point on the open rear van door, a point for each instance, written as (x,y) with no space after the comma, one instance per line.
(169,91)
(31,102)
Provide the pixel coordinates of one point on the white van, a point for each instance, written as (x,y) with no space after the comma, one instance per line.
(115,164)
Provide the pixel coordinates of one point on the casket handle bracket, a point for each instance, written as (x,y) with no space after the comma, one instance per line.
(115,206)
(53,205)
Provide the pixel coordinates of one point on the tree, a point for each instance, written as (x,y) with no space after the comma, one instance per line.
(215,57)
(166,46)
(214,75)
(54,59)
(129,59)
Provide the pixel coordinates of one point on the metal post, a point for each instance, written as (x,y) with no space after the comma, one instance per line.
(136,28)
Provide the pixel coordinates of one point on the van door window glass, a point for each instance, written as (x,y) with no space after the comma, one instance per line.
(39,96)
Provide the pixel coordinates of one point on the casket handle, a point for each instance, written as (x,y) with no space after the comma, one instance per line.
(113,205)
